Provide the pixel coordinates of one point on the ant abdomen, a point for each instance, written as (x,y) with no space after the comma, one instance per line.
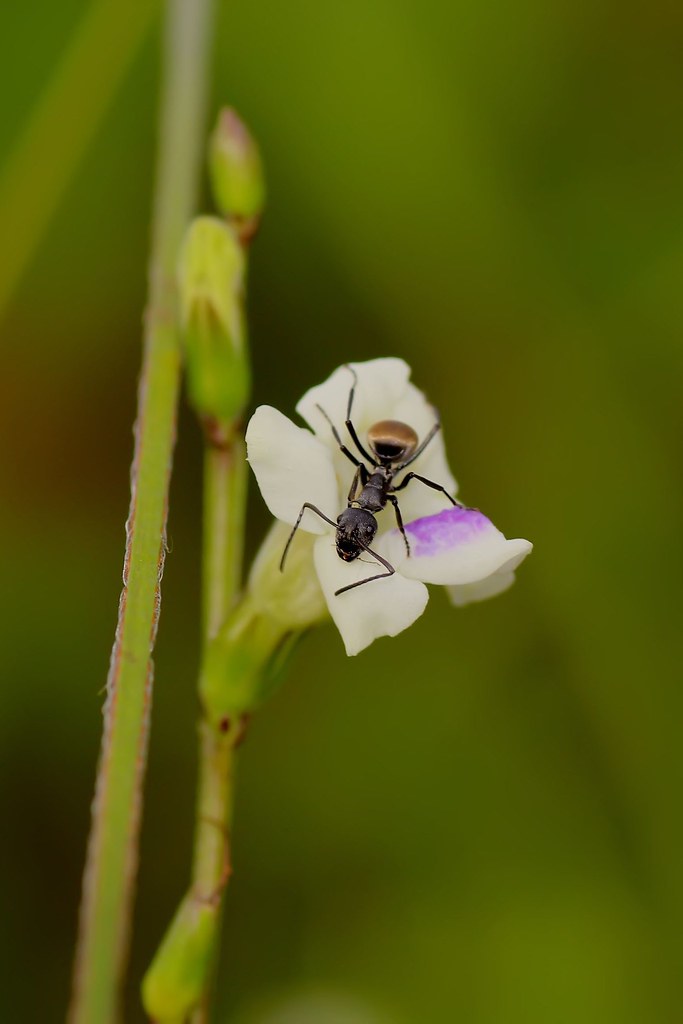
(392,441)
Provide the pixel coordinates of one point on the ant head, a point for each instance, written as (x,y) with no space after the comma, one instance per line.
(356,529)
(392,441)
(348,548)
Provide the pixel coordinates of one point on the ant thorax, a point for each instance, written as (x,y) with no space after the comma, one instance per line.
(373,495)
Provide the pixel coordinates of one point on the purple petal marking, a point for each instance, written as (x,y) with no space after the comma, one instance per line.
(432,535)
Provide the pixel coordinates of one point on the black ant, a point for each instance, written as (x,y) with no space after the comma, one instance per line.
(394,445)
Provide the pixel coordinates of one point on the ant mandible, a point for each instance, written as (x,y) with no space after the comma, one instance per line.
(394,446)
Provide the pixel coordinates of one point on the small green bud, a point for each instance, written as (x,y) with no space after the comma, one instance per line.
(230,684)
(176,978)
(242,664)
(236,172)
(211,281)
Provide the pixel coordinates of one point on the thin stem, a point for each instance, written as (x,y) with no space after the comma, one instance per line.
(225,487)
(225,482)
(212,863)
(108,882)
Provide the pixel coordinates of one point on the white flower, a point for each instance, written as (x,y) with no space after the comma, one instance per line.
(449,544)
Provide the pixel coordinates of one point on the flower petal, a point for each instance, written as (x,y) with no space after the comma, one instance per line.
(493,585)
(291,467)
(382,608)
(456,546)
(381,383)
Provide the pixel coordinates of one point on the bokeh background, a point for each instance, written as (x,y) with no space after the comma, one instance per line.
(480,820)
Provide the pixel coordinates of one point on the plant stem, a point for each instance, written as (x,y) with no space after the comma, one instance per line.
(225,483)
(225,487)
(112,849)
(212,866)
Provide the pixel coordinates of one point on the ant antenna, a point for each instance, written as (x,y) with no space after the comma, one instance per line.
(377,576)
(296,527)
(349,425)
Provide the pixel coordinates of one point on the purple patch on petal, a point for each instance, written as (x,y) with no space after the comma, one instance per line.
(432,535)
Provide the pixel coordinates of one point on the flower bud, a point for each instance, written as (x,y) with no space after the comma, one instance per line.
(243,663)
(236,171)
(234,665)
(211,281)
(176,978)
(293,597)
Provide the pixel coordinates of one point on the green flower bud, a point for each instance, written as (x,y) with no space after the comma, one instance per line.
(176,978)
(211,281)
(243,663)
(236,664)
(236,172)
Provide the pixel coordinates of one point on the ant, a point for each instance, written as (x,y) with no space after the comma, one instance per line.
(394,446)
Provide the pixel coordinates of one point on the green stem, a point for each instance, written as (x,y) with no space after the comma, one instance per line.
(225,484)
(247,652)
(178,982)
(212,863)
(225,491)
(112,849)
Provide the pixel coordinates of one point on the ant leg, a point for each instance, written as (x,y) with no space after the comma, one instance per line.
(335,434)
(362,474)
(416,454)
(430,483)
(379,576)
(352,431)
(349,425)
(352,392)
(399,519)
(354,487)
(296,527)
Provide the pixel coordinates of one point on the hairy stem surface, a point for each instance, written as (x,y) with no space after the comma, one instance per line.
(112,849)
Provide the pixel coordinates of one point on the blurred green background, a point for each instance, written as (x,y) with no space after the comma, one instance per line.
(480,820)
